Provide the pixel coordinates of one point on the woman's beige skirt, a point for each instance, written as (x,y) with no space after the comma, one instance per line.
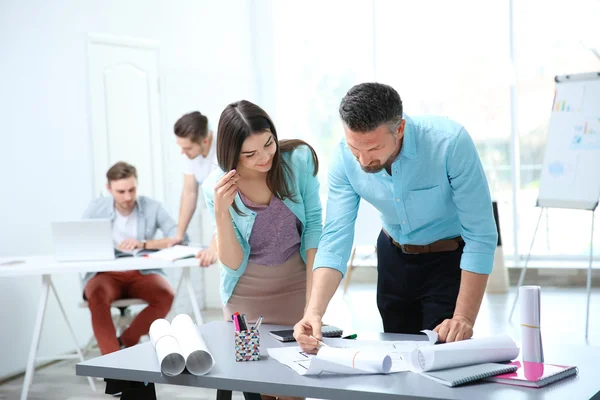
(278,293)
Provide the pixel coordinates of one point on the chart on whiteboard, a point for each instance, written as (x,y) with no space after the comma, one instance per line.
(571,171)
(585,127)
(586,135)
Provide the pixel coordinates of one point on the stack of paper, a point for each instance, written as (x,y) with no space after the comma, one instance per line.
(368,357)
(177,252)
(351,357)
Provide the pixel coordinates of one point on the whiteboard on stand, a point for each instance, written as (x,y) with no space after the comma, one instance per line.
(571,170)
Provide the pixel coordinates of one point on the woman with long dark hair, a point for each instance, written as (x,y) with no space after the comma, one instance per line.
(266,207)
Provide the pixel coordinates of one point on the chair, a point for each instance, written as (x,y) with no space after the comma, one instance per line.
(366,231)
(121,320)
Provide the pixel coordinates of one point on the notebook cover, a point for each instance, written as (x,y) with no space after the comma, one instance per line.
(534,374)
(458,376)
(331,331)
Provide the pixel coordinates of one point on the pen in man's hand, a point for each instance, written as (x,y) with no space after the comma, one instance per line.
(320,342)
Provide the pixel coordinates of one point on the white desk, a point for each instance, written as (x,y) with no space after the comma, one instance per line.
(45,266)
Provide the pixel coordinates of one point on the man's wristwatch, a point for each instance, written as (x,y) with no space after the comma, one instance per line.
(143,244)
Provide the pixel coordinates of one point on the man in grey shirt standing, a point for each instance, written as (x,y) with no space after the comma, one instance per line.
(135,220)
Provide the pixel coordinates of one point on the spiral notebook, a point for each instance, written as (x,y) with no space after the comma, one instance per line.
(461,375)
(534,374)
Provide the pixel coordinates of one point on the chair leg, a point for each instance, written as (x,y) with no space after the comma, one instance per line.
(89,346)
(117,323)
(123,320)
(350,268)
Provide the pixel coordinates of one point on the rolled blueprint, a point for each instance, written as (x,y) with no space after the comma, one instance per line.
(371,361)
(168,351)
(465,352)
(531,335)
(159,328)
(198,359)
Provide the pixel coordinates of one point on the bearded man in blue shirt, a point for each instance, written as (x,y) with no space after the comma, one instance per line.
(438,238)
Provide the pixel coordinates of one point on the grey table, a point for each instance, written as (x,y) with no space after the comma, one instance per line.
(139,364)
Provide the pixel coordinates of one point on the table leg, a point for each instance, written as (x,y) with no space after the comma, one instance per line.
(131,390)
(252,396)
(186,276)
(181,278)
(188,282)
(224,394)
(64,314)
(35,341)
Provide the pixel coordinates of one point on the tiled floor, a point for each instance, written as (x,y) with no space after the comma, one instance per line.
(563,321)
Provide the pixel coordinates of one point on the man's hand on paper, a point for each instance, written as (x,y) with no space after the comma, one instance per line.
(455,329)
(207,257)
(308,326)
(130,244)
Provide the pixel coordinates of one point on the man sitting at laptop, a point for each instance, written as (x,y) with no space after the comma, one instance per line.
(134,224)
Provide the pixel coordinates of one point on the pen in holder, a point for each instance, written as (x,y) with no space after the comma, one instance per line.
(247,345)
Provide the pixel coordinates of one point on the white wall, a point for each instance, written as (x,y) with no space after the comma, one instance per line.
(45,145)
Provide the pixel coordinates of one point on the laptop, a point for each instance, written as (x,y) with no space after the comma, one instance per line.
(83,240)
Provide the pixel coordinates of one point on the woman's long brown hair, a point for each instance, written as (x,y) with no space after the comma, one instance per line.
(242,119)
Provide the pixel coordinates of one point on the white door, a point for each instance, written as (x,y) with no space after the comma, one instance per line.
(125,109)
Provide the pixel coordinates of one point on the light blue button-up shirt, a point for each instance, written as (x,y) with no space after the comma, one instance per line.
(437,190)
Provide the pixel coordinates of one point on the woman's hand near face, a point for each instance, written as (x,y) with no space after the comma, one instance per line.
(225,191)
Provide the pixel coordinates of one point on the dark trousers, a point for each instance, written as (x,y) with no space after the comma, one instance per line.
(415,291)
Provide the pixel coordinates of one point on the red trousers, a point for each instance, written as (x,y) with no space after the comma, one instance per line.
(106,287)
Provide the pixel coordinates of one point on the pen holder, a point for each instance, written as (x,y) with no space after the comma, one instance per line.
(247,345)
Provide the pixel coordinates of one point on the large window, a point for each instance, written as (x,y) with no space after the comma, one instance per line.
(565,40)
(319,54)
(451,64)
(451,59)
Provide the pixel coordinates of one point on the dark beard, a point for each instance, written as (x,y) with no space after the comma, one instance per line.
(375,168)
(372,169)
